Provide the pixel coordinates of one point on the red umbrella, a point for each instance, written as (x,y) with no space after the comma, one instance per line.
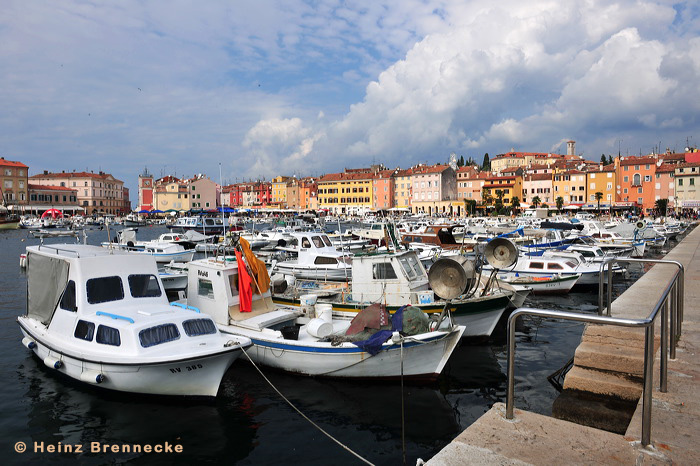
(53,213)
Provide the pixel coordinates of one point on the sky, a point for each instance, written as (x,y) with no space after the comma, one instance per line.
(240,90)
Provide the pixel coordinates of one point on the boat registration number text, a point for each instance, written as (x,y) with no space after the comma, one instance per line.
(193,367)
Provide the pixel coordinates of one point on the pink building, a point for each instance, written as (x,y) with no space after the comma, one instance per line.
(665,184)
(434,183)
(470,182)
(537,185)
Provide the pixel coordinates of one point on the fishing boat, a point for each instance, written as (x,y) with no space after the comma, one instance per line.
(292,340)
(100,316)
(396,279)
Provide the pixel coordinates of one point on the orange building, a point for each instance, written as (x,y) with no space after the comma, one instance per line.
(636,178)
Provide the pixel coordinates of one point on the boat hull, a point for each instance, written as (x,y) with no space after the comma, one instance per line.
(191,376)
(422,357)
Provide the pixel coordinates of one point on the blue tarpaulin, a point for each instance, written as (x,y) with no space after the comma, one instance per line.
(373,344)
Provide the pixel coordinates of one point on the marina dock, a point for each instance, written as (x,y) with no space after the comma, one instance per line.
(531,438)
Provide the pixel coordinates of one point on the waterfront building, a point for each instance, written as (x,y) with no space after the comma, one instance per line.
(470,182)
(507,187)
(349,192)
(403,191)
(523,159)
(15,182)
(570,185)
(636,177)
(434,189)
(687,182)
(383,190)
(43,198)
(307,194)
(203,193)
(279,191)
(171,193)
(665,185)
(537,185)
(97,193)
(602,180)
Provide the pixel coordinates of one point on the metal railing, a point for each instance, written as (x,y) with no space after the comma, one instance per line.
(661,307)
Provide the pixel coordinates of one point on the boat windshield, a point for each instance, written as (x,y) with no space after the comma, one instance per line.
(326,240)
(144,286)
(104,289)
(410,267)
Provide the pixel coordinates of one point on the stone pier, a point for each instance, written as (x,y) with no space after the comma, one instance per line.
(608,363)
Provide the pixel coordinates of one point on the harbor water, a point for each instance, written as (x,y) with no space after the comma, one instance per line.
(248,422)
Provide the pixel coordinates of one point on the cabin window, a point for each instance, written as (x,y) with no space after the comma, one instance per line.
(232,284)
(196,327)
(84,330)
(108,336)
(383,271)
(571,264)
(205,288)
(554,267)
(104,289)
(318,242)
(537,265)
(144,286)
(305,243)
(158,335)
(326,240)
(68,299)
(321,260)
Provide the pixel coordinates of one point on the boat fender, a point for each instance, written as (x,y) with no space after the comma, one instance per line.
(52,362)
(130,244)
(29,343)
(92,377)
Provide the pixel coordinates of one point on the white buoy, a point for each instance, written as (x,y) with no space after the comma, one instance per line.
(95,377)
(28,342)
(52,362)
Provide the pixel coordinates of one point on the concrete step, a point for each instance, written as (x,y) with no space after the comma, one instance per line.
(600,412)
(611,358)
(603,383)
(611,334)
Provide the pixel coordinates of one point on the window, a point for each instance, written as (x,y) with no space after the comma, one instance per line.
(205,288)
(68,298)
(84,330)
(108,336)
(158,335)
(647,178)
(144,286)
(680,182)
(636,180)
(196,327)
(691,181)
(326,240)
(536,265)
(318,242)
(383,270)
(554,267)
(233,284)
(322,260)
(104,289)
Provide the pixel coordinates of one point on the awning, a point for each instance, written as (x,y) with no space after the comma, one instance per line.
(692,203)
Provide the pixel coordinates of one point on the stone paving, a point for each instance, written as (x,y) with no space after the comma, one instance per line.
(535,439)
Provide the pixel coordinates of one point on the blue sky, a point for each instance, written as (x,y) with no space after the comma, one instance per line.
(310,87)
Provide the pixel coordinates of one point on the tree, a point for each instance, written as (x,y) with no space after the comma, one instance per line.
(598,197)
(486,165)
(603,160)
(610,159)
(536,201)
(469,206)
(515,203)
(661,205)
(460,162)
(560,203)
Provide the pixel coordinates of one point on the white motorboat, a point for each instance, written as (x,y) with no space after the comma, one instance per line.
(317,259)
(547,265)
(552,284)
(287,339)
(100,316)
(162,252)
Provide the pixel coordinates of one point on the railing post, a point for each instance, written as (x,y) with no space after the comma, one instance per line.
(609,290)
(648,383)
(681,297)
(601,274)
(663,386)
(511,365)
(674,319)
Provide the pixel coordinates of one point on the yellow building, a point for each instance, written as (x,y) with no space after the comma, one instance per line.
(279,191)
(171,193)
(570,186)
(346,193)
(603,181)
(402,189)
(507,186)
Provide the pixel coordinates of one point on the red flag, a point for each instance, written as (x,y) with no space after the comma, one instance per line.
(245,290)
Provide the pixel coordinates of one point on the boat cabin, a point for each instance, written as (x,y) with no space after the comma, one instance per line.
(400,276)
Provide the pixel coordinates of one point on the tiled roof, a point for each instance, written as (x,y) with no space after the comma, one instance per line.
(39,187)
(637,160)
(538,177)
(11,163)
(101,175)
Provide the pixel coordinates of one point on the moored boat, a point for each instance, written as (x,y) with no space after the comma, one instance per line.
(100,316)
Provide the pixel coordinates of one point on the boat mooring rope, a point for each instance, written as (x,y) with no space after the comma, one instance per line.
(302,414)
